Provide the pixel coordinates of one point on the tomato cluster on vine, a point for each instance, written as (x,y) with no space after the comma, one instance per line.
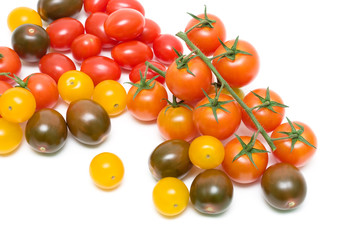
(195,100)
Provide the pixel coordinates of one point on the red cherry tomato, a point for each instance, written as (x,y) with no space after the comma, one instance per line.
(150,33)
(63,31)
(163,48)
(9,62)
(100,68)
(55,64)
(92,6)
(131,53)
(134,75)
(124,24)
(114,5)
(94,24)
(85,46)
(4,86)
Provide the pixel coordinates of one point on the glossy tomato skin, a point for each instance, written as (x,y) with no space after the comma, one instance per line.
(46,131)
(283,186)
(100,68)
(94,24)
(10,136)
(211,192)
(206,38)
(63,31)
(4,86)
(92,6)
(31,42)
(131,53)
(151,31)
(51,10)
(114,5)
(228,122)
(9,62)
(170,159)
(243,69)
(302,153)
(85,46)
(164,46)
(241,170)
(56,64)
(88,121)
(124,24)
(268,119)
(134,75)
(186,86)
(148,103)
(22,15)
(44,89)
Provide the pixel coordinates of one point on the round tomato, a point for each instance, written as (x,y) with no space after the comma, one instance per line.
(106,170)
(22,15)
(10,136)
(131,53)
(74,85)
(227,122)
(186,86)
(4,86)
(150,33)
(164,46)
(135,76)
(146,104)
(170,196)
(243,169)
(63,31)
(93,6)
(298,146)
(270,112)
(51,10)
(114,5)
(206,152)
(241,70)
(85,46)
(111,95)
(55,64)
(124,24)
(9,62)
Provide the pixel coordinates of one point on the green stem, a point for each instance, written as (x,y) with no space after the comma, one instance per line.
(1,56)
(155,69)
(248,110)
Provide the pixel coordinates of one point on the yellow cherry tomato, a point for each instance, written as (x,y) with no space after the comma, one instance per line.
(206,152)
(111,95)
(106,170)
(17,105)
(23,15)
(74,85)
(170,196)
(10,136)
(238,91)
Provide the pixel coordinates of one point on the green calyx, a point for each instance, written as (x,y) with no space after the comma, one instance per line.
(176,104)
(203,22)
(267,102)
(144,84)
(231,52)
(182,62)
(1,56)
(248,149)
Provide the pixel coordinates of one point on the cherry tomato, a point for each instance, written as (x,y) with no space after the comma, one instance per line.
(9,62)
(101,68)
(63,31)
(93,6)
(85,46)
(186,86)
(94,25)
(51,10)
(206,38)
(22,15)
(44,89)
(150,33)
(206,152)
(131,53)
(147,104)
(106,170)
(300,153)
(17,105)
(268,118)
(134,75)
(228,121)
(164,46)
(74,85)
(55,64)
(31,42)
(243,69)
(10,136)
(241,169)
(176,123)
(238,91)
(124,24)
(111,95)
(4,86)
(170,196)
(114,5)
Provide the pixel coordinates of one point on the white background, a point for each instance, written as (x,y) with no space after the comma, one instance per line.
(310,55)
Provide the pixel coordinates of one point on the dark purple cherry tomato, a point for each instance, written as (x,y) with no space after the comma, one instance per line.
(50,10)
